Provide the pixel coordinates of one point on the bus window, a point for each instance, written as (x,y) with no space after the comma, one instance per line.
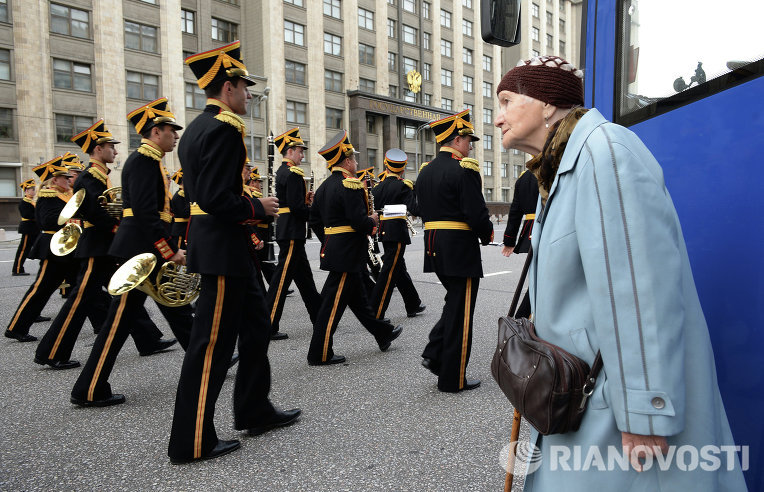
(667,49)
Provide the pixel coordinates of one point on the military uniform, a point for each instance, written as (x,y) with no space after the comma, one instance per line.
(522,210)
(290,234)
(53,269)
(181,212)
(145,227)
(339,218)
(27,228)
(451,203)
(231,302)
(393,190)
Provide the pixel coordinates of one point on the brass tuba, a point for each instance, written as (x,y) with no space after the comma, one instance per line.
(173,286)
(111,200)
(64,241)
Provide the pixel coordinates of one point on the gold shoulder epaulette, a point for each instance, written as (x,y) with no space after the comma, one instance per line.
(232,119)
(424,164)
(409,183)
(352,183)
(97,174)
(47,194)
(470,163)
(297,170)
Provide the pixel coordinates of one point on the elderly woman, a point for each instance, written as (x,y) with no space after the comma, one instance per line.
(611,273)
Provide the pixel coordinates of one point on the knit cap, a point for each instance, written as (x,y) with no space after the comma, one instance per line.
(549,79)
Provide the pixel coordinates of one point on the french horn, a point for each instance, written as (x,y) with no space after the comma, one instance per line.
(64,241)
(172,287)
(111,200)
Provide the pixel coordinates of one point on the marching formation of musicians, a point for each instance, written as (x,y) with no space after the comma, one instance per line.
(203,253)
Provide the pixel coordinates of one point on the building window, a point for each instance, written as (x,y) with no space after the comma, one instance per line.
(195,97)
(445,18)
(371,157)
(332,8)
(69,21)
(141,37)
(504,170)
(332,81)
(549,41)
(467,27)
(390,28)
(446,77)
(367,85)
(3,10)
(71,75)
(467,83)
(562,49)
(535,33)
(467,55)
(333,118)
(294,72)
(366,54)
(224,31)
(549,18)
(487,116)
(426,40)
(535,53)
(6,124)
(409,6)
(332,44)
(488,194)
(371,123)
(487,89)
(297,112)
(366,19)
(562,25)
(294,33)
(409,130)
(133,140)
(426,10)
(535,10)
(409,64)
(393,91)
(392,63)
(5,64)
(391,2)
(562,7)
(487,142)
(487,63)
(467,3)
(516,170)
(187,21)
(445,48)
(142,86)
(487,168)
(447,104)
(427,99)
(426,69)
(469,106)
(409,34)
(69,125)
(298,3)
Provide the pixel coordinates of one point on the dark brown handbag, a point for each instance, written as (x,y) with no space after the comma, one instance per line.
(546,384)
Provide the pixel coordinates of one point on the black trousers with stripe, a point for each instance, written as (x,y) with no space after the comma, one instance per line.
(451,337)
(393,275)
(293,265)
(227,307)
(89,299)
(52,272)
(341,290)
(121,319)
(25,244)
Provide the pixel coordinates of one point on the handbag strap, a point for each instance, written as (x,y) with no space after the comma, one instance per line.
(519,289)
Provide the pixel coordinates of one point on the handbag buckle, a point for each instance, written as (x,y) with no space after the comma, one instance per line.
(587,391)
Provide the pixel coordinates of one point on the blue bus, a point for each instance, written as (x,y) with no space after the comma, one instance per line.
(687,78)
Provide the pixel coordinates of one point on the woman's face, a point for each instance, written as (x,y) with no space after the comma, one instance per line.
(521,120)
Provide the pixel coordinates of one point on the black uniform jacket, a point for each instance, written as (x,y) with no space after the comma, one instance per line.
(181,209)
(523,202)
(290,190)
(341,201)
(395,191)
(96,238)
(446,191)
(48,208)
(28,224)
(212,154)
(143,191)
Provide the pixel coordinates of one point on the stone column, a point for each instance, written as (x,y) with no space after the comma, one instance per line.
(314,37)
(173,84)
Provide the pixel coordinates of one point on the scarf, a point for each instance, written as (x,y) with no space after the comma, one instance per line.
(545,165)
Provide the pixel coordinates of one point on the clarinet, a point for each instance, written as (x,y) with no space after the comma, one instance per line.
(271,192)
(310,190)
(374,256)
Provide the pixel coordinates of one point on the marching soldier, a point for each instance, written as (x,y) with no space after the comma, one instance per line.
(370,274)
(394,190)
(181,211)
(27,228)
(451,203)
(145,227)
(54,193)
(88,297)
(213,154)
(339,216)
(291,232)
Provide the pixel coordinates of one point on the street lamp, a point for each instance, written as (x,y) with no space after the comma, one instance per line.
(256,101)
(418,142)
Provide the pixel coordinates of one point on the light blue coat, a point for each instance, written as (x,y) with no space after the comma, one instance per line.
(611,273)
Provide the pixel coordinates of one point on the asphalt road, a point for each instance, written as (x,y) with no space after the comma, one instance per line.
(377,422)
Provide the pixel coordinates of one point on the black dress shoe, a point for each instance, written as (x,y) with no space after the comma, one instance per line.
(21,337)
(221,448)
(41,319)
(161,346)
(57,364)
(234,360)
(431,365)
(384,345)
(386,320)
(416,311)
(278,419)
(114,399)
(19,274)
(468,385)
(279,335)
(336,359)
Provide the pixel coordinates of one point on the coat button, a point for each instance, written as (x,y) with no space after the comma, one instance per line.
(658,402)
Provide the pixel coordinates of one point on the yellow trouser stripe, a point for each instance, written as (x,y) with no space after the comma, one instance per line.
(465,332)
(69,316)
(22,253)
(31,294)
(331,317)
(387,284)
(446,224)
(338,229)
(107,345)
(281,281)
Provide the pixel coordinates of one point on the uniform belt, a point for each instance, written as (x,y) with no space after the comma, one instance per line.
(446,224)
(384,217)
(529,216)
(23,219)
(165,216)
(338,229)
(180,219)
(262,226)
(284,210)
(196,210)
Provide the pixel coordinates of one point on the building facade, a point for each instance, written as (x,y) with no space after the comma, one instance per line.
(380,68)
